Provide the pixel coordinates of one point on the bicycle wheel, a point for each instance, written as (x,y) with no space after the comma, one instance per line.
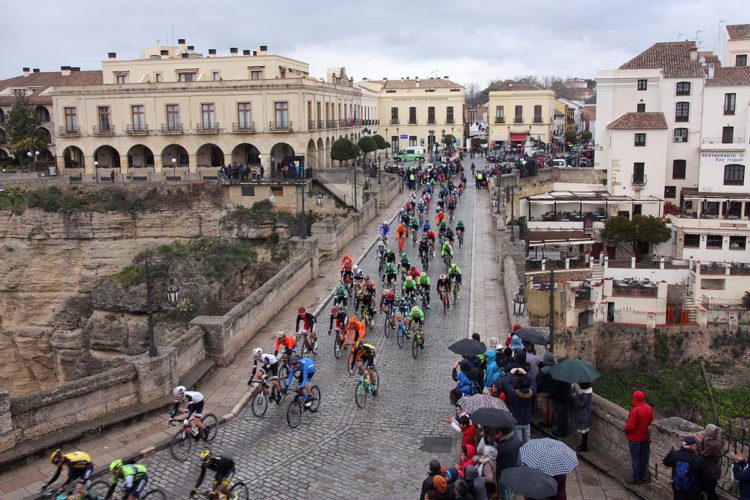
(304,350)
(400,336)
(243,493)
(414,346)
(376,382)
(360,394)
(99,488)
(283,375)
(338,345)
(156,493)
(446,303)
(212,426)
(386,326)
(259,404)
(316,394)
(294,413)
(180,446)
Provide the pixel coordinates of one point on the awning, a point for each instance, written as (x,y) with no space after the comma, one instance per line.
(558,238)
(518,137)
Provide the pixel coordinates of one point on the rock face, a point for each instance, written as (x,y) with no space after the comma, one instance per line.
(49,262)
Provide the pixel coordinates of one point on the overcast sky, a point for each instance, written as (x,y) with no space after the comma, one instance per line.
(469,40)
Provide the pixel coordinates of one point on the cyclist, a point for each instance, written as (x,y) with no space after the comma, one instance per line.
(414,224)
(424,248)
(135,477)
(224,469)
(446,249)
(370,288)
(405,263)
(426,226)
(385,230)
(443,286)
(431,237)
(401,236)
(380,252)
(409,288)
(449,236)
(363,355)
(460,228)
(416,320)
(414,273)
(193,407)
(308,325)
(405,215)
(306,369)
(339,317)
(364,298)
(424,284)
(357,276)
(442,227)
(340,295)
(421,207)
(266,364)
(288,343)
(440,217)
(387,299)
(80,467)
(357,327)
(454,273)
(390,256)
(346,268)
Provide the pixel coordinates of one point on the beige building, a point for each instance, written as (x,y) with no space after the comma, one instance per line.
(520,110)
(734,45)
(418,112)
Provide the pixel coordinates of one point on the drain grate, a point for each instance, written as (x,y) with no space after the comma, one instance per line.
(437,444)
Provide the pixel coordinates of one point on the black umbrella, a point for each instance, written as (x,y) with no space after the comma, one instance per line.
(493,417)
(575,371)
(529,482)
(538,336)
(467,347)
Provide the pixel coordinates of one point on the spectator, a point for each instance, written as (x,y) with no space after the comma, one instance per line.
(475,483)
(461,491)
(507,456)
(560,396)
(709,447)
(561,493)
(544,384)
(515,343)
(427,484)
(463,383)
(491,371)
(636,431)
(688,470)
(487,468)
(440,486)
(467,429)
(741,473)
(467,458)
(583,394)
(519,394)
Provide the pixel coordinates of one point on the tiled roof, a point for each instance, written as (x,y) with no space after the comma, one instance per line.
(729,76)
(45,80)
(511,86)
(639,121)
(430,83)
(590,112)
(673,58)
(738,31)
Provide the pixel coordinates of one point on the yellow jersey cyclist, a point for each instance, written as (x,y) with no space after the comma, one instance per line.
(454,273)
(363,355)
(135,477)
(224,469)
(80,467)
(416,320)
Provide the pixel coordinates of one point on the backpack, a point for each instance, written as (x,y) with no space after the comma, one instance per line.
(681,479)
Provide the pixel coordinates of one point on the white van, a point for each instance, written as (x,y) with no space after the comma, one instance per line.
(559,162)
(411,153)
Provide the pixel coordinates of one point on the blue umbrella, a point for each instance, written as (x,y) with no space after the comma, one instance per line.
(549,455)
(529,482)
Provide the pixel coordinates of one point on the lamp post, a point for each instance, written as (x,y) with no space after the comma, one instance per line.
(96,171)
(512,190)
(519,302)
(552,311)
(173,296)
(378,170)
(387,138)
(174,167)
(319,199)
(302,231)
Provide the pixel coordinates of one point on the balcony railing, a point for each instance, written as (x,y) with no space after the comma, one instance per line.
(331,124)
(69,132)
(47,124)
(720,140)
(138,130)
(244,128)
(450,121)
(173,130)
(280,127)
(98,131)
(413,122)
(310,124)
(200,129)
(638,180)
(394,121)
(321,124)
(518,119)
(537,119)
(500,119)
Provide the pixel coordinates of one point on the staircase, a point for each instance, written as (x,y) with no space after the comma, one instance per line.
(597,272)
(691,307)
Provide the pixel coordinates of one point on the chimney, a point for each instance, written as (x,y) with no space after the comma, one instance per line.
(693,53)
(164,52)
(75,68)
(245,52)
(26,71)
(255,52)
(191,48)
(185,55)
(181,44)
(711,68)
(65,70)
(263,48)
(233,51)
(36,70)
(211,52)
(445,77)
(111,55)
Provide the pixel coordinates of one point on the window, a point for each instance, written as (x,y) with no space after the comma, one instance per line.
(173,117)
(394,115)
(640,139)
(730,103)
(277,191)
(412,140)
(683,88)
(71,119)
(499,114)
(187,77)
(727,135)
(104,123)
(640,107)
(714,241)
(537,113)
(216,76)
(678,169)
(670,192)
(449,114)
(431,115)
(642,84)
(740,60)
(158,77)
(518,118)
(682,111)
(122,78)
(248,190)
(637,209)
(639,173)
(282,114)
(692,240)
(737,242)
(138,117)
(680,135)
(734,175)
(208,116)
(19,92)
(243,116)
(412,116)
(256,74)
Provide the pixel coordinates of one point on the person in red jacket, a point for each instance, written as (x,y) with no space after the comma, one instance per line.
(636,431)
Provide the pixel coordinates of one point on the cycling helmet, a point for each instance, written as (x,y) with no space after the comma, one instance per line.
(423,275)
(279,335)
(335,311)
(115,465)
(205,455)
(403,254)
(367,277)
(56,456)
(179,390)
(294,359)
(409,278)
(355,268)
(352,320)
(442,276)
(380,243)
(415,309)
(359,273)
(389,250)
(385,222)
(301,310)
(257,352)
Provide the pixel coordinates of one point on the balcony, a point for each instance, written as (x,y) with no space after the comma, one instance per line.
(638,180)
(103,132)
(332,124)
(499,119)
(69,132)
(243,128)
(450,121)
(201,130)
(538,119)
(719,144)
(138,130)
(310,124)
(47,124)
(173,130)
(679,118)
(280,127)
(518,119)
(395,121)
(321,124)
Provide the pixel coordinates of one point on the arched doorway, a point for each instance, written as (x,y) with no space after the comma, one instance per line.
(283,154)
(3,137)
(106,157)
(177,153)
(246,154)
(45,156)
(311,161)
(4,157)
(42,114)
(140,156)
(210,155)
(321,154)
(46,135)
(73,157)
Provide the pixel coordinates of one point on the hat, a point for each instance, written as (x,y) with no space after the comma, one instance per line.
(493,342)
(471,473)
(517,327)
(516,343)
(549,358)
(451,474)
(712,430)
(688,441)
(440,484)
(490,454)
(518,371)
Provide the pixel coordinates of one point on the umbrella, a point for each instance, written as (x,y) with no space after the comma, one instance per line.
(478,401)
(550,456)
(538,336)
(466,347)
(493,417)
(574,371)
(529,482)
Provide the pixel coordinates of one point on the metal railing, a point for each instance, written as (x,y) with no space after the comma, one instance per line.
(98,131)
(638,180)
(280,127)
(394,121)
(499,120)
(131,130)
(247,128)
(176,130)
(331,123)
(200,129)
(321,124)
(310,124)
(720,140)
(69,132)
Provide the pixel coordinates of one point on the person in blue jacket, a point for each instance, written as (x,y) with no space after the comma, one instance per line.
(491,371)
(306,369)
(459,375)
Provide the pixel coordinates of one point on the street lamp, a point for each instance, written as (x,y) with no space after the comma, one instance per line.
(174,167)
(173,296)
(378,170)
(519,302)
(319,199)
(96,171)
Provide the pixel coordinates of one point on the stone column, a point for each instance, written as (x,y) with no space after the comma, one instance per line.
(7,436)
(157,164)
(89,164)
(156,376)
(193,163)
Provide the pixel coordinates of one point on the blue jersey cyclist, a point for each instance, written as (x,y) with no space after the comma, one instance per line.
(385,229)
(305,367)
